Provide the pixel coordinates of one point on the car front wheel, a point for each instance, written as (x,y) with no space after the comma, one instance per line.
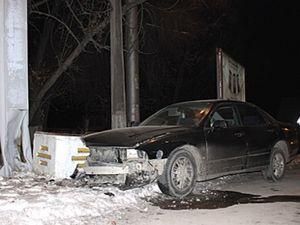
(276,168)
(179,176)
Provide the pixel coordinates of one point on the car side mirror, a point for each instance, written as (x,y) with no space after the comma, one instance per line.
(219,124)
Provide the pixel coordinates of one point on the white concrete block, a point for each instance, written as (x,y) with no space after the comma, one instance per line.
(58,155)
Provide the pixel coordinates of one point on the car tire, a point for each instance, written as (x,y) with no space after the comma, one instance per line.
(179,175)
(276,168)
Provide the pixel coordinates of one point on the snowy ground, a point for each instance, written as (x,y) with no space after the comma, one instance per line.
(30,199)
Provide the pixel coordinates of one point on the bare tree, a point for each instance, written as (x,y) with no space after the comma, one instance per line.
(177,40)
(72,26)
(65,30)
(178,48)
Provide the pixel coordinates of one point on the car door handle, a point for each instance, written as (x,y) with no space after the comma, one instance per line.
(239,134)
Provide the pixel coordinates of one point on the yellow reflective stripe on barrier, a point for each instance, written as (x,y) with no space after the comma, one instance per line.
(43,155)
(44,148)
(81,165)
(79,158)
(83,150)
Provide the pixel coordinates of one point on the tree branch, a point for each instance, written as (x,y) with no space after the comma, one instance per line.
(35,5)
(61,22)
(76,18)
(63,67)
(81,45)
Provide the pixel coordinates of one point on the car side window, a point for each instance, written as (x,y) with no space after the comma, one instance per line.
(250,116)
(225,113)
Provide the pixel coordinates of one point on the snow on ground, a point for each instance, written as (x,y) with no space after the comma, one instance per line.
(27,198)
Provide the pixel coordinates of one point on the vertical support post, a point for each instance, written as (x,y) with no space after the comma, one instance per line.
(2,86)
(132,64)
(219,73)
(118,98)
(14,132)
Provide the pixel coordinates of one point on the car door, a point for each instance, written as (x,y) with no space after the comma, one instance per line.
(259,135)
(226,147)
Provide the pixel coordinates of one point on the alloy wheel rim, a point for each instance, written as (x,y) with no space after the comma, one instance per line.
(278,165)
(182,173)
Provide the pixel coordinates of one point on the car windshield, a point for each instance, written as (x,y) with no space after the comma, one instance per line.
(182,114)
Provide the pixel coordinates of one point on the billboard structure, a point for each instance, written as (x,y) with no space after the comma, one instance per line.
(15,149)
(230,78)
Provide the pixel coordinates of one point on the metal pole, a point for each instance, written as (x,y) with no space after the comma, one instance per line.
(132,65)
(219,73)
(118,98)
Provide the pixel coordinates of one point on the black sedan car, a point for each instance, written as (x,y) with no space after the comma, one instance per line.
(193,141)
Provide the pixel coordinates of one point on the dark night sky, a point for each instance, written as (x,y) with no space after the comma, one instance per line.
(262,35)
(272,61)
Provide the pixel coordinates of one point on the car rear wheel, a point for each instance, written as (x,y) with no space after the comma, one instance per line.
(179,176)
(276,169)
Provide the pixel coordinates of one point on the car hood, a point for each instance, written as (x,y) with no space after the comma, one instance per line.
(130,137)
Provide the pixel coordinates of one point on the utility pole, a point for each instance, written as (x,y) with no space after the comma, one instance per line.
(132,64)
(118,98)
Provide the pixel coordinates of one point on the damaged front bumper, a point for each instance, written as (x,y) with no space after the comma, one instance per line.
(122,166)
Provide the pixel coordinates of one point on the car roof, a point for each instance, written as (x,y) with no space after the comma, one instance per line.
(214,101)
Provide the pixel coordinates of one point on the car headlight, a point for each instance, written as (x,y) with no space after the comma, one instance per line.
(134,154)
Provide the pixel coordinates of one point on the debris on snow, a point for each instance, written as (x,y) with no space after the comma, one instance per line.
(27,198)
